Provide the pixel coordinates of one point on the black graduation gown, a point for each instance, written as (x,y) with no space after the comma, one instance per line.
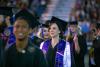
(37,41)
(79,58)
(50,56)
(96,45)
(31,57)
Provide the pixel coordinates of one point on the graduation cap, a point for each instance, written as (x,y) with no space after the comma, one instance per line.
(47,22)
(33,22)
(7,11)
(98,25)
(45,25)
(73,23)
(61,23)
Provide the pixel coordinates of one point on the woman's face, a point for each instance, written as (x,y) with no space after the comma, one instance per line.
(45,33)
(54,30)
(73,28)
(21,29)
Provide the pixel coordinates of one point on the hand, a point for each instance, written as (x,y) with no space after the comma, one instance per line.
(77,48)
(75,39)
(68,32)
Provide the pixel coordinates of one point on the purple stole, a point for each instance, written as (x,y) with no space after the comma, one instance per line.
(59,53)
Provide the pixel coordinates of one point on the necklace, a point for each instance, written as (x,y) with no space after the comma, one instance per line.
(22,51)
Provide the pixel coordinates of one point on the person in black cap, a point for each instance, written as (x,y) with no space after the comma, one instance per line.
(54,49)
(78,43)
(23,53)
(41,35)
(6,27)
(45,32)
(36,39)
(4,12)
(96,46)
(2,23)
(34,25)
(26,13)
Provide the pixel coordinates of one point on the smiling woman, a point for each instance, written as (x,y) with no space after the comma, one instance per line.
(55,48)
(21,28)
(23,53)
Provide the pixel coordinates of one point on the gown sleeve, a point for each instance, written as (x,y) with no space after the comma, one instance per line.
(41,60)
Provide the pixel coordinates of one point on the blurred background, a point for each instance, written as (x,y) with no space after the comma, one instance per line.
(86,12)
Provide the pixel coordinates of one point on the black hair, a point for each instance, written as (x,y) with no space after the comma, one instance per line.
(27,20)
(59,27)
(47,22)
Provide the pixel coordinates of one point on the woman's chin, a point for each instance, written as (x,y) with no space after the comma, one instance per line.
(21,39)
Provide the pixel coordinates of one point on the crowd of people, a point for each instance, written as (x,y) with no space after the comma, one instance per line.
(26,42)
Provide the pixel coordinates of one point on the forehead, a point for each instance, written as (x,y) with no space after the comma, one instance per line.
(21,22)
(73,25)
(45,28)
(53,25)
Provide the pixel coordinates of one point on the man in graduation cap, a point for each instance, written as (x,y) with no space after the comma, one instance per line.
(78,43)
(56,50)
(23,53)
(6,27)
(4,12)
(96,46)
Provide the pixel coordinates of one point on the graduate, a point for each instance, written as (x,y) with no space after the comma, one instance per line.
(3,25)
(56,50)
(23,53)
(34,27)
(8,30)
(78,43)
(36,39)
(33,32)
(45,32)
